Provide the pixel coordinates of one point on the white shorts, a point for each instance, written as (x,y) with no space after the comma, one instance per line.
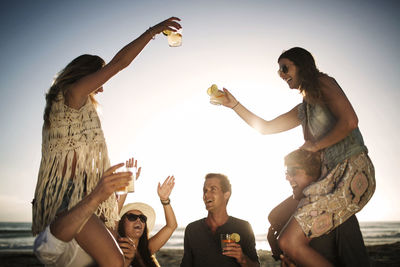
(54,252)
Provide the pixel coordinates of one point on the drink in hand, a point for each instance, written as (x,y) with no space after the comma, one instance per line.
(174,38)
(215,94)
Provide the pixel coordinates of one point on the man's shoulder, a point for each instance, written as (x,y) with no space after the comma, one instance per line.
(195,224)
(238,221)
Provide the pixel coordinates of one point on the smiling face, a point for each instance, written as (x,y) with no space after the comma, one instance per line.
(213,196)
(134,229)
(298,180)
(288,71)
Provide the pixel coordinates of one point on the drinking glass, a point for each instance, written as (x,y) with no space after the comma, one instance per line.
(131,186)
(225,239)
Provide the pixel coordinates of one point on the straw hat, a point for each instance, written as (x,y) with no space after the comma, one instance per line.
(147,210)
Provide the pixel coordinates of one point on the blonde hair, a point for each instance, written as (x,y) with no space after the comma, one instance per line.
(75,70)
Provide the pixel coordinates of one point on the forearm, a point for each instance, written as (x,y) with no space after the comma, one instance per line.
(159,239)
(128,53)
(340,131)
(67,225)
(170,217)
(282,123)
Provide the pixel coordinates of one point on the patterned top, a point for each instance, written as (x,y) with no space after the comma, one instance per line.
(71,132)
(317,121)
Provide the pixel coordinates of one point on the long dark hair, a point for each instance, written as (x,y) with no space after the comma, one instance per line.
(143,248)
(308,72)
(75,70)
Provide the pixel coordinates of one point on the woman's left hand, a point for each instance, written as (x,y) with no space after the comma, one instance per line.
(165,189)
(309,146)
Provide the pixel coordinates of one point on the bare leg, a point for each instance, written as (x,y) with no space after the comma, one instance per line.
(99,243)
(295,244)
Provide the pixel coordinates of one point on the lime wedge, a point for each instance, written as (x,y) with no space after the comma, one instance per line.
(212,90)
(235,237)
(166,32)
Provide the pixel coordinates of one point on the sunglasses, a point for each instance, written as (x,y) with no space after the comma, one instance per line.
(133,217)
(291,171)
(283,69)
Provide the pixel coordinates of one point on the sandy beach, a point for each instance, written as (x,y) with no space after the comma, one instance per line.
(381,255)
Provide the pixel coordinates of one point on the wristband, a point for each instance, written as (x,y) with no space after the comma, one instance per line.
(165,202)
(237,103)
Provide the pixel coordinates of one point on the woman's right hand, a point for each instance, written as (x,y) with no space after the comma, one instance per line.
(128,247)
(170,24)
(228,99)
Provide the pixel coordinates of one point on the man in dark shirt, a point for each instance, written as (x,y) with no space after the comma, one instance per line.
(202,245)
(343,246)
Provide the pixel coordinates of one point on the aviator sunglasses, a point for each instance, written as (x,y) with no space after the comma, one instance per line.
(283,69)
(133,217)
(291,171)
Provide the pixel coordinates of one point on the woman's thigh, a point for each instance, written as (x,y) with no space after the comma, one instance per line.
(98,242)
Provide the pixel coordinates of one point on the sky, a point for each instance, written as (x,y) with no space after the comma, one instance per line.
(157,109)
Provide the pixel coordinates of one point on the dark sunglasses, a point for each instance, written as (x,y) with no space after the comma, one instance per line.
(291,171)
(133,217)
(283,69)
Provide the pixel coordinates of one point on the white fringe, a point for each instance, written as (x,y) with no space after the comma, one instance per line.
(71,131)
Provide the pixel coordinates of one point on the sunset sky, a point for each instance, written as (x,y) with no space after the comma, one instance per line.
(157,109)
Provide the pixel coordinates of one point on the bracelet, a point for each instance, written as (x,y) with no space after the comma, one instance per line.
(165,202)
(237,103)
(150,30)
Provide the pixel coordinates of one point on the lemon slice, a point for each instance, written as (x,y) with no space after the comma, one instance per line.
(235,237)
(166,32)
(212,90)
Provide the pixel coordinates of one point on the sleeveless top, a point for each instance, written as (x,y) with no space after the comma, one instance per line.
(71,131)
(317,120)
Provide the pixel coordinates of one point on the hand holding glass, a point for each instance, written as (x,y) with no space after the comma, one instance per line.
(131,186)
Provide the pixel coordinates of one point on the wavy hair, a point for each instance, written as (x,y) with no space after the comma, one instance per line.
(75,70)
(308,73)
(143,248)
(309,161)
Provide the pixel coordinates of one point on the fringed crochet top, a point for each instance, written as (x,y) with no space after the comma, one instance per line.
(71,132)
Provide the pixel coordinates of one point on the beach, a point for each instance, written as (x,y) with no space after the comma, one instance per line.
(381,255)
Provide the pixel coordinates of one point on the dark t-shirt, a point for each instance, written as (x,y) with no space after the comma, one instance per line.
(202,247)
(344,246)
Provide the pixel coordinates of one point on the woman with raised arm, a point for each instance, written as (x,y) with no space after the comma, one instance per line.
(74,152)
(330,125)
(137,221)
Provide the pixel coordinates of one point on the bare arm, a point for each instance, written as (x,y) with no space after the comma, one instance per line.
(281,123)
(341,108)
(281,214)
(77,94)
(159,239)
(67,225)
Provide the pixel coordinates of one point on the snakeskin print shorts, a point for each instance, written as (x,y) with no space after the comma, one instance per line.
(336,196)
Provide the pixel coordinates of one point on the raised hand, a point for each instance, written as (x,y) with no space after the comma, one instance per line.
(228,99)
(133,163)
(110,182)
(165,189)
(170,24)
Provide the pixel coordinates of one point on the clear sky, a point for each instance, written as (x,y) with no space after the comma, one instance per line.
(158,111)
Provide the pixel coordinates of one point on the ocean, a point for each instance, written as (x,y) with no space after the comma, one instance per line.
(16,236)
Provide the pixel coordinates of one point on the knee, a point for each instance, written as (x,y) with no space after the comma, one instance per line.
(284,243)
(288,245)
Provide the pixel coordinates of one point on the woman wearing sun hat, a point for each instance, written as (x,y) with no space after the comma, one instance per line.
(137,221)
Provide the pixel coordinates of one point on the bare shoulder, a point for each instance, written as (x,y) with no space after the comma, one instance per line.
(329,87)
